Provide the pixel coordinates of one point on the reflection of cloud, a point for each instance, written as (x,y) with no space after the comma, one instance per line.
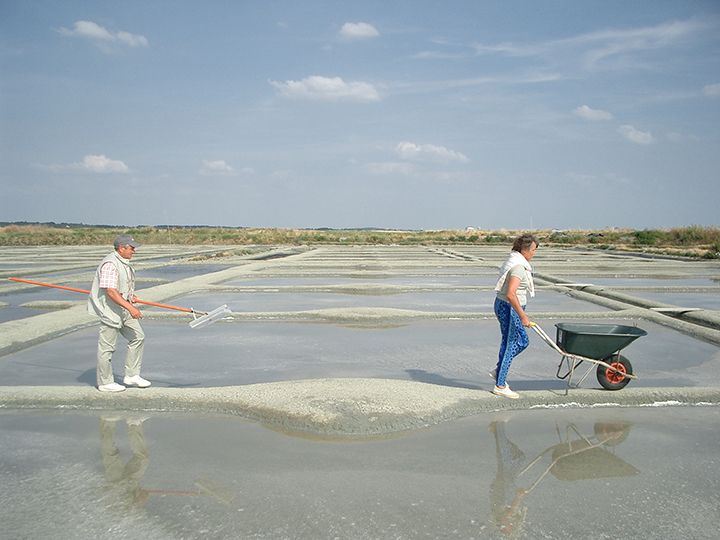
(428,152)
(321,88)
(712,90)
(359,30)
(592,114)
(99,34)
(635,135)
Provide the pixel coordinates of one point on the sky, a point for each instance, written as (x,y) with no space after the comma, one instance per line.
(519,114)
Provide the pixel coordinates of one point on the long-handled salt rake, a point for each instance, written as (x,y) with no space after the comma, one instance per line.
(200,318)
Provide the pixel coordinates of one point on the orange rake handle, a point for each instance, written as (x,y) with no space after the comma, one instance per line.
(85,291)
(63,287)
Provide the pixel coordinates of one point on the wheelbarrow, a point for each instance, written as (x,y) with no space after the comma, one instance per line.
(585,457)
(597,344)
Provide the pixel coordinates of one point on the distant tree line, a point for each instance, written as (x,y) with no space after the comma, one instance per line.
(693,241)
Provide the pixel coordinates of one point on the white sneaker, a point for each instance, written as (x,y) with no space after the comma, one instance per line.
(137,380)
(505,392)
(112,387)
(493,374)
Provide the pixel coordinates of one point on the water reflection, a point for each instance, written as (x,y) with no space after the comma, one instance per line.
(217,476)
(507,500)
(575,457)
(124,478)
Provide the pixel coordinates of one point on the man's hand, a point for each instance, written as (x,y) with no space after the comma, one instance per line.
(116,297)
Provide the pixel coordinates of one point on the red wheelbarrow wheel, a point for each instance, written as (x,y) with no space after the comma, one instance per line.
(614,380)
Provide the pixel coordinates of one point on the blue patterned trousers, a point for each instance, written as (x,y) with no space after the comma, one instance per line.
(514,338)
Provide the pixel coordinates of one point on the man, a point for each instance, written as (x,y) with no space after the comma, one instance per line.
(111,299)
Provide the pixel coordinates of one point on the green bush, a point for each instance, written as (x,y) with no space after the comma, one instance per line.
(693,235)
(647,237)
(713,252)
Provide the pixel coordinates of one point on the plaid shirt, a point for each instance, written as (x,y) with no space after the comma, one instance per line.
(108,276)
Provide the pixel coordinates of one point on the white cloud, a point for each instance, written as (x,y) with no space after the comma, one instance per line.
(101,35)
(327,89)
(597,49)
(592,114)
(100,164)
(635,135)
(712,90)
(216,168)
(390,167)
(87,29)
(359,30)
(132,40)
(281,174)
(611,43)
(428,152)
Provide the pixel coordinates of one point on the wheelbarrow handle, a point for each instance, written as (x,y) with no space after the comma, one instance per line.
(547,339)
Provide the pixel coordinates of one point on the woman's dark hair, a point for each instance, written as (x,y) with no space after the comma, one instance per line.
(524,241)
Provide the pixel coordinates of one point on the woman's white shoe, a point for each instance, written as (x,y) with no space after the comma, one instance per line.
(505,392)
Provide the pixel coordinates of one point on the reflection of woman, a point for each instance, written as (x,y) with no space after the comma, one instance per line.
(513,287)
(506,499)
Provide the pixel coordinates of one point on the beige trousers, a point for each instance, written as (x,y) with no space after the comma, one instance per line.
(107,339)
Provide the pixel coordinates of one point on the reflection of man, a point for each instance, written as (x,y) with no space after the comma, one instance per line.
(125,476)
(111,299)
(506,499)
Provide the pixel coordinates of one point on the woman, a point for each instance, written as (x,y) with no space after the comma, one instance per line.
(513,288)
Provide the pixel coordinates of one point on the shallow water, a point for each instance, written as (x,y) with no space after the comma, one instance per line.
(452,353)
(611,473)
(437,301)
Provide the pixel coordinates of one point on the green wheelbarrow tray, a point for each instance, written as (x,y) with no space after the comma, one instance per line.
(596,340)
(582,460)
